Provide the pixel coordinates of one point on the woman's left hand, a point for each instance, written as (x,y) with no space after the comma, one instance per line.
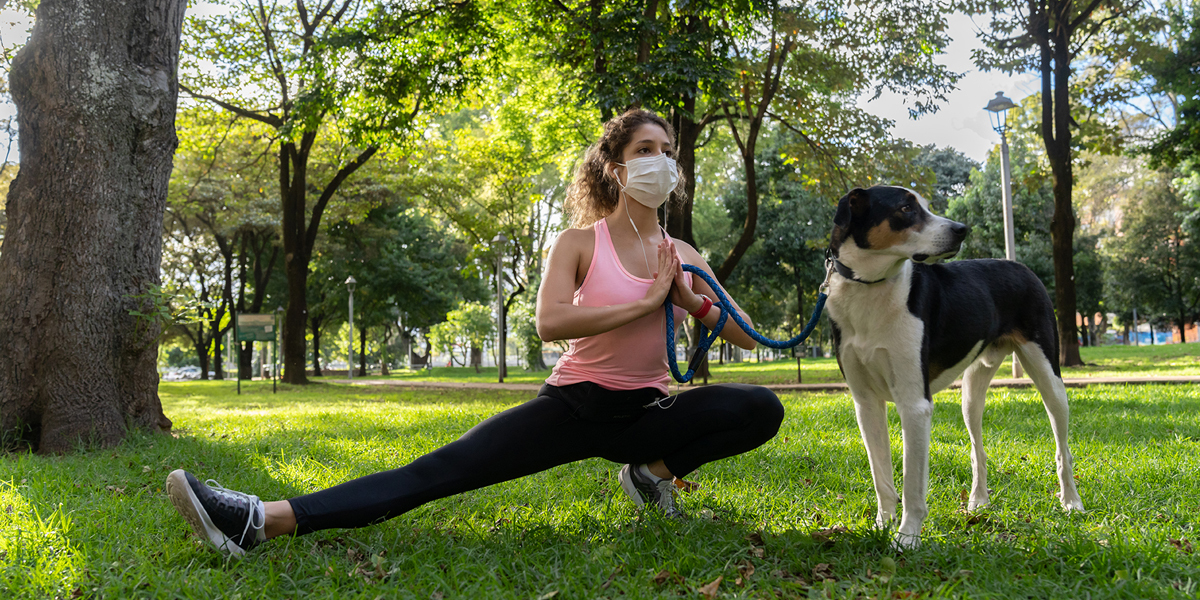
(681,293)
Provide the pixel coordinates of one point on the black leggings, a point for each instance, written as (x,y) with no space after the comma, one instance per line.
(562,425)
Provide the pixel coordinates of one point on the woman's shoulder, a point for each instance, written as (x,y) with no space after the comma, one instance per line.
(575,238)
(686,252)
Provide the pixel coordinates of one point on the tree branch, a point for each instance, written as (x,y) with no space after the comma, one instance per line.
(269,119)
(314,223)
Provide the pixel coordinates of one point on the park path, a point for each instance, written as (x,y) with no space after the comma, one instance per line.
(777,387)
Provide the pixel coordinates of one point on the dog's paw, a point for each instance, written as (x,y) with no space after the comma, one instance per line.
(1073,505)
(906,541)
(979,501)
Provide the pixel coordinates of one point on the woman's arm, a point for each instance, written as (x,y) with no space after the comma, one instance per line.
(558,318)
(689,299)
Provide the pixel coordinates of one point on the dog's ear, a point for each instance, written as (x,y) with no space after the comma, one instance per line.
(859,202)
(851,205)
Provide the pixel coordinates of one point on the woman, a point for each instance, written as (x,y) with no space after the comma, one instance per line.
(606,397)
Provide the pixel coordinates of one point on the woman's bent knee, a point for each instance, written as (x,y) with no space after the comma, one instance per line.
(766,411)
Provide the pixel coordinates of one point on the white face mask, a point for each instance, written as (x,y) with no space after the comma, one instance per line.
(650,179)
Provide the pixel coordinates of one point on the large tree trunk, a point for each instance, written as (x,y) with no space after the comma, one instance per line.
(1056,134)
(96,93)
(293,165)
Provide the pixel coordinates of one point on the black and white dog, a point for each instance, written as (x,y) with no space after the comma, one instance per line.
(905,328)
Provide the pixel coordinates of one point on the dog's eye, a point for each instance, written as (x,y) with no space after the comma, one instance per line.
(907,208)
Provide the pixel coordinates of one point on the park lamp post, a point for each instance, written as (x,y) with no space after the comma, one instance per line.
(275,351)
(498,243)
(997,108)
(350,361)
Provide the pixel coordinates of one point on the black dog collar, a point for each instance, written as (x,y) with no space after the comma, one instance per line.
(848,273)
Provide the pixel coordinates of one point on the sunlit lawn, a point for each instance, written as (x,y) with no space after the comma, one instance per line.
(97,524)
(1102,361)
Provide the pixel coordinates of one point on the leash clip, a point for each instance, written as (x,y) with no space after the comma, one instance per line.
(828,271)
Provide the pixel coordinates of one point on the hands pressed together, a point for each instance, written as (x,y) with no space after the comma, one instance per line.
(669,279)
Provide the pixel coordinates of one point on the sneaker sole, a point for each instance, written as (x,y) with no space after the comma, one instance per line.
(626,480)
(188,505)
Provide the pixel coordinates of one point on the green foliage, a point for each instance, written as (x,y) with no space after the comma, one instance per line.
(467,327)
(789,260)
(523,327)
(1155,256)
(406,266)
(1174,73)
(952,174)
(650,53)
(982,208)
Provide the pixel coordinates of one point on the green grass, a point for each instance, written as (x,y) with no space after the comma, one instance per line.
(1138,361)
(1102,361)
(97,523)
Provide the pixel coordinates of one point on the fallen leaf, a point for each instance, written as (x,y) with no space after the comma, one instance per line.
(548,595)
(902,594)
(436,596)
(685,485)
(746,568)
(964,495)
(1183,545)
(662,577)
(756,539)
(710,591)
(146,469)
(757,552)
(822,571)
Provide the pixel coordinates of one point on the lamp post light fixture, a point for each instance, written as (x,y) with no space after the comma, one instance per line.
(350,361)
(997,108)
(498,243)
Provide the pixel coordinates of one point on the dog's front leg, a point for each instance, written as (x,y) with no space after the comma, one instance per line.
(871,411)
(916,422)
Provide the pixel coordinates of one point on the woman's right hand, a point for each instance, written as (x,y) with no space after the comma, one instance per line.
(668,263)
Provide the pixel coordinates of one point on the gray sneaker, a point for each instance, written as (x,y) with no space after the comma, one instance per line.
(232,521)
(642,490)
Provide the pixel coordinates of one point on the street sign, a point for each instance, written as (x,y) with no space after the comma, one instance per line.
(256,328)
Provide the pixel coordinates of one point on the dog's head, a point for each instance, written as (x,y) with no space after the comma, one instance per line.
(885,221)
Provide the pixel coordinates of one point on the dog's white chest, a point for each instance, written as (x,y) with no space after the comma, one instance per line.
(880,339)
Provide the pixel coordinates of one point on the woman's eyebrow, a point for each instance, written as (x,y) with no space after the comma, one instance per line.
(649,141)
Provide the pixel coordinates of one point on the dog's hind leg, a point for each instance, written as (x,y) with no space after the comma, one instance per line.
(974,395)
(1054,397)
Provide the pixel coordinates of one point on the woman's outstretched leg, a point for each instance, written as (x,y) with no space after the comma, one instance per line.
(522,440)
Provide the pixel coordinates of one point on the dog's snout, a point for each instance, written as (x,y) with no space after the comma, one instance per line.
(960,231)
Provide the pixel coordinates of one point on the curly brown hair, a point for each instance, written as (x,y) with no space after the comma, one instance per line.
(593,195)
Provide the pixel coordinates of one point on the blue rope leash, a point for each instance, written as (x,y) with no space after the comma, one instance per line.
(707,338)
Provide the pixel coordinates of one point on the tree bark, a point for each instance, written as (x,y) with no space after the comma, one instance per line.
(1054,37)
(96,92)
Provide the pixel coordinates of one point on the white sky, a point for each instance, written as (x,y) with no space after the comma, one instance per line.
(960,122)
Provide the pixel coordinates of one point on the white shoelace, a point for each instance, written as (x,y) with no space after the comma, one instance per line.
(256,506)
(666,494)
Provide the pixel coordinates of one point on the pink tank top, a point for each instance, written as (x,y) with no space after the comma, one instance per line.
(630,357)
